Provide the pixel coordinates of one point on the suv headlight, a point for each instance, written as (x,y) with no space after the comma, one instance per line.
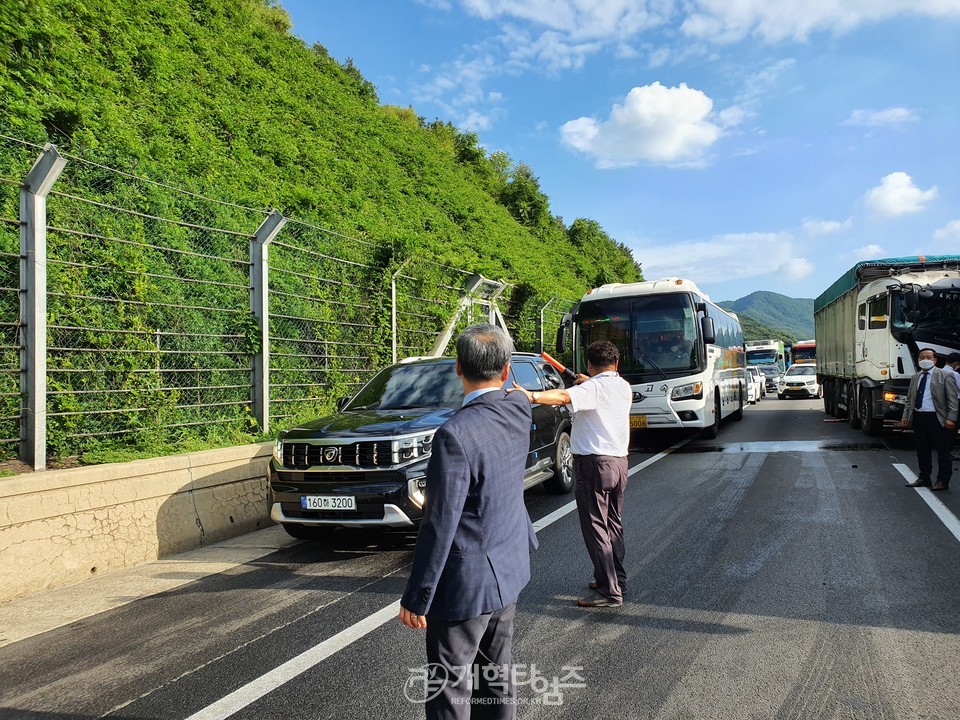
(690,390)
(411,448)
(278,449)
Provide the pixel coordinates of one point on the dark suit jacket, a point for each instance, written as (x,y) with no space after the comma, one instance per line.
(943,390)
(473,551)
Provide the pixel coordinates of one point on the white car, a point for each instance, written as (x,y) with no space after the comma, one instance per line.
(756,384)
(799,381)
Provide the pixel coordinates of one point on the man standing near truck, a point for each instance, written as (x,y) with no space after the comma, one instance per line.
(931,410)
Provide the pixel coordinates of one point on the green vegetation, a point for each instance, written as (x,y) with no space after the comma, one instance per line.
(754,330)
(218,98)
(793,315)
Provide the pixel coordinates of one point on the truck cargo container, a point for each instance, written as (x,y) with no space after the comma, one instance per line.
(870,325)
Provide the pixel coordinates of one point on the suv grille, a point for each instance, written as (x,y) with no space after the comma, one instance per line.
(346,477)
(362,454)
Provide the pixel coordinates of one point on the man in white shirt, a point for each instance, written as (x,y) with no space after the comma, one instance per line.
(599,440)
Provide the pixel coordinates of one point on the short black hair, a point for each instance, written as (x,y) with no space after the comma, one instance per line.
(483,351)
(923,350)
(603,353)
(953,357)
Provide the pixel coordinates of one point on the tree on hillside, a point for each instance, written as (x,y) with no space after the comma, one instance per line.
(523,198)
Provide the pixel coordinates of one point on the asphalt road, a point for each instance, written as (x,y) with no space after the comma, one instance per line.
(780,571)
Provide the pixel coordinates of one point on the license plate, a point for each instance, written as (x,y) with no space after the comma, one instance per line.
(328,502)
(638,421)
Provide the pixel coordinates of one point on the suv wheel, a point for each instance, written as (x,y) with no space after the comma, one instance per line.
(562,480)
(308,532)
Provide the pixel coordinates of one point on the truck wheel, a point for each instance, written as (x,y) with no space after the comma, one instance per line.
(853,417)
(827,388)
(712,431)
(562,480)
(837,410)
(308,532)
(869,424)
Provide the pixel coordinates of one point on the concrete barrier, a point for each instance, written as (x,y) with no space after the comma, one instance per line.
(61,526)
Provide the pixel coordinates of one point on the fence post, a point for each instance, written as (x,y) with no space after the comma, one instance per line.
(33,305)
(540,328)
(260,307)
(393,310)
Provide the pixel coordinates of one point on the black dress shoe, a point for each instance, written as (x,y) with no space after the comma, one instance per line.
(598,601)
(919,483)
(939,487)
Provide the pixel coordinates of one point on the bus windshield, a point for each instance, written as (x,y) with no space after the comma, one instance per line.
(654,333)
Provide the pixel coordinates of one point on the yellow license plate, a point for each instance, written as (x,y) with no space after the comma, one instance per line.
(638,421)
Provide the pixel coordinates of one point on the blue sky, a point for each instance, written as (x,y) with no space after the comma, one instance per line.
(744,144)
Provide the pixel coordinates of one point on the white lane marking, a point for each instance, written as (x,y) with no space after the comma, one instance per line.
(256,689)
(941,510)
(571,506)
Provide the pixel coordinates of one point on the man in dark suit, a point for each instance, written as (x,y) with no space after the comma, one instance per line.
(932,412)
(472,556)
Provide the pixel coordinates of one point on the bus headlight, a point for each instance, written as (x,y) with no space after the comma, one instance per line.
(689,391)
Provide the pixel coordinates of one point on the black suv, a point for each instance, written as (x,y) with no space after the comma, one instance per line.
(366,465)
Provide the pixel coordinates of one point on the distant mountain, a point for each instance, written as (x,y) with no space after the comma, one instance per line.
(753,330)
(794,315)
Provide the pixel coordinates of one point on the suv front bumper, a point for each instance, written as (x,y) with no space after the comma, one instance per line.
(393,516)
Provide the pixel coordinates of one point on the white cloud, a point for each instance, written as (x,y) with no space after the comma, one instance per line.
(949,232)
(867,252)
(796,268)
(655,124)
(897,195)
(826,227)
(722,258)
(732,20)
(878,118)
(579,19)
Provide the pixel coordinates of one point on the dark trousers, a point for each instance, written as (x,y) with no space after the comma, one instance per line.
(930,435)
(601,482)
(474,657)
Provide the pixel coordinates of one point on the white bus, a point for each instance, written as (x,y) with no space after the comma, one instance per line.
(683,355)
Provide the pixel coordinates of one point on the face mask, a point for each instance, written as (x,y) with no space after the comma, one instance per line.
(927,364)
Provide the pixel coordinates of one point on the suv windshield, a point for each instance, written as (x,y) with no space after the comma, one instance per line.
(802,370)
(770,370)
(423,384)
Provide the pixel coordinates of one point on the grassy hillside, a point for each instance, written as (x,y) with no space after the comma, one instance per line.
(218,98)
(753,330)
(794,315)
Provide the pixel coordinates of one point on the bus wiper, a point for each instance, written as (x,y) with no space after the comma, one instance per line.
(656,367)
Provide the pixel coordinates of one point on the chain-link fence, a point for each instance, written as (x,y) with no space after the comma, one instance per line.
(152,330)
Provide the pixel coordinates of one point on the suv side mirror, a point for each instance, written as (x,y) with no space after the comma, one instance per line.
(342,402)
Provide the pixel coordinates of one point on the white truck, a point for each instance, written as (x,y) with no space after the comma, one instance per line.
(870,325)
